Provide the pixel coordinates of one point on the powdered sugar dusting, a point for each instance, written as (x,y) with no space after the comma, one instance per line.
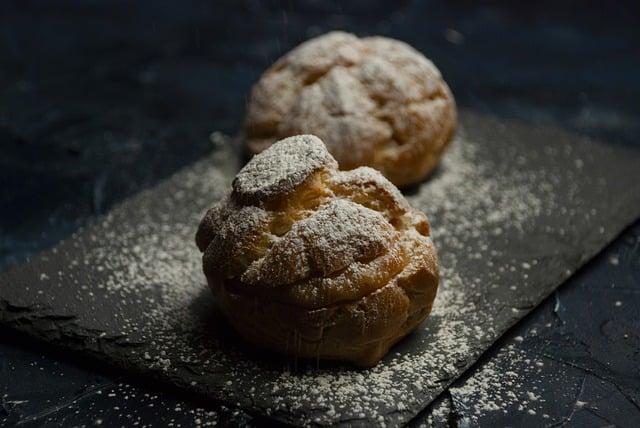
(460,201)
(366,177)
(165,315)
(339,234)
(282,169)
(498,386)
(496,389)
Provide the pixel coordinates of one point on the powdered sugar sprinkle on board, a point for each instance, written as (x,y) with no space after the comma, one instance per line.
(499,199)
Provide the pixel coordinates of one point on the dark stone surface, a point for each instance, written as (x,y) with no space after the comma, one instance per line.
(48,388)
(101,99)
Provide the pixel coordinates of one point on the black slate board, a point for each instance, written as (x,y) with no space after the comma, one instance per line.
(514,211)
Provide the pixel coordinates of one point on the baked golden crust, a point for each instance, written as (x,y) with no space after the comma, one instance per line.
(316,262)
(374,102)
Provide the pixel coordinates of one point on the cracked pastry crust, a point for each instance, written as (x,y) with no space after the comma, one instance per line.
(315,262)
(374,101)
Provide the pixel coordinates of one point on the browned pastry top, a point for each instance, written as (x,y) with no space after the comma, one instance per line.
(374,101)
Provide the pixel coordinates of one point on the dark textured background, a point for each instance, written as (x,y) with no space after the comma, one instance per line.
(101,99)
